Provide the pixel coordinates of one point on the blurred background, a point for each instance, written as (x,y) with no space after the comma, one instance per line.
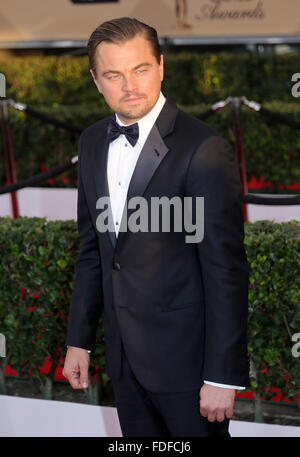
(213,49)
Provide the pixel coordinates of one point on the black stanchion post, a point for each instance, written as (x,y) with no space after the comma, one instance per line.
(239,147)
(9,156)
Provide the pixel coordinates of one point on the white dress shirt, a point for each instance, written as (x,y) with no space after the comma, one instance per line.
(122,158)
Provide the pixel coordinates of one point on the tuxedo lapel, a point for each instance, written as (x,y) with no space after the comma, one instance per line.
(152,154)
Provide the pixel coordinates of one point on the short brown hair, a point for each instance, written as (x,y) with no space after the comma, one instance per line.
(120,30)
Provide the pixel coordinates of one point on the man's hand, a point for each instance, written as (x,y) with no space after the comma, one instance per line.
(216,403)
(76,367)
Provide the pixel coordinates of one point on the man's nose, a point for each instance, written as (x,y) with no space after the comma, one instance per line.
(129,84)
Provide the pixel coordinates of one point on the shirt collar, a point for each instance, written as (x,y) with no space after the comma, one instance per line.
(146,123)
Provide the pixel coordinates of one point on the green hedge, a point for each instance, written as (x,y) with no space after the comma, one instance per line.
(273,252)
(272,151)
(37,261)
(190,78)
(63,87)
(36,282)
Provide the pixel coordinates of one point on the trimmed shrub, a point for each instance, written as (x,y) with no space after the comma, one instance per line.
(37,261)
(63,88)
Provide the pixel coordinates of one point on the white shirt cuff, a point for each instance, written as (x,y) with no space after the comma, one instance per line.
(226,386)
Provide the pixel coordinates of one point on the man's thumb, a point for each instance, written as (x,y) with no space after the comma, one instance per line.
(84,378)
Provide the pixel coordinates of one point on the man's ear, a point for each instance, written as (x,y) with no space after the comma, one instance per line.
(95,80)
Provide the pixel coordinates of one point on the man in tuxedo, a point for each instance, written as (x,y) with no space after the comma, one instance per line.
(175,312)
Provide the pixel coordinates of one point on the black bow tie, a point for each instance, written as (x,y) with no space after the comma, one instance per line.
(131,132)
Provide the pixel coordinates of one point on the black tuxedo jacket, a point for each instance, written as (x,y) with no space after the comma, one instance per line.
(180,309)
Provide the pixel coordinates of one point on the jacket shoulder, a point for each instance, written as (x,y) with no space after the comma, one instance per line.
(195,128)
(95,129)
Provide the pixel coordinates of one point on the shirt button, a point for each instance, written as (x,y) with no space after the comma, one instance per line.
(126,145)
(116,266)
(119,183)
(117,223)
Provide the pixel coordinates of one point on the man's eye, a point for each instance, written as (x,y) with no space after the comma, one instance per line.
(113,77)
(140,71)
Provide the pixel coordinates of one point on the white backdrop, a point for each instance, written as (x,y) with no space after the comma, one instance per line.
(29,417)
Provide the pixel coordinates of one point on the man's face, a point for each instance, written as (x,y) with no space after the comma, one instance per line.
(129,77)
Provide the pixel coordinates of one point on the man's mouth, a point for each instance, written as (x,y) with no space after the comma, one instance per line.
(132,99)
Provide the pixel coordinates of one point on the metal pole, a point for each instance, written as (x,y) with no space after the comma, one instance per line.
(9,156)
(239,147)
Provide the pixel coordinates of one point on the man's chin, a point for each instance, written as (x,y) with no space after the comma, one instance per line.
(133,113)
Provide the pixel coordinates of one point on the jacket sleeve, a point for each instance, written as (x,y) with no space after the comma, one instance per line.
(213,174)
(87,298)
